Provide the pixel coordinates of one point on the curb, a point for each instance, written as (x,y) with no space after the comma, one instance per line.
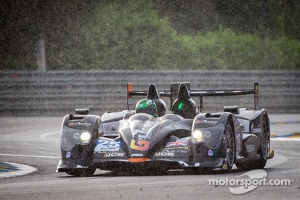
(286,122)
(286,137)
(14,169)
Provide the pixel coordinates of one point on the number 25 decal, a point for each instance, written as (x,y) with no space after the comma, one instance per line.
(141,145)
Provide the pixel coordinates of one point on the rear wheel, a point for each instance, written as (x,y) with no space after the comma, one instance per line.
(263,151)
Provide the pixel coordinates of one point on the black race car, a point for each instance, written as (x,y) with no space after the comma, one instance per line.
(153,138)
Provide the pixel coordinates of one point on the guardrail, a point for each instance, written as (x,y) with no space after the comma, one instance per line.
(60,92)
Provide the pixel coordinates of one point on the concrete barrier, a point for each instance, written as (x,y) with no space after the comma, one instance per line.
(55,93)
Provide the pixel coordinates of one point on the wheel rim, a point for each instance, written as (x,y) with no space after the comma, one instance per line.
(230,146)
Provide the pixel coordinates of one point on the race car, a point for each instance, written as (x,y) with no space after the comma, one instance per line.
(154,138)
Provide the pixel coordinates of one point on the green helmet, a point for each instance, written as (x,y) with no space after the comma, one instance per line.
(146,106)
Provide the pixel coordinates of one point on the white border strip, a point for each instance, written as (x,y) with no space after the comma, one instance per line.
(30,156)
(285,139)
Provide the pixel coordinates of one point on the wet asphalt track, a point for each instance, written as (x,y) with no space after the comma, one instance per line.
(35,142)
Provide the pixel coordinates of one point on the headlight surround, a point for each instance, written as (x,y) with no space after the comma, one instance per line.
(211,136)
(197,135)
(85,137)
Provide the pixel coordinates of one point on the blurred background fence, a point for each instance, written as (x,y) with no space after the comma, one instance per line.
(56,93)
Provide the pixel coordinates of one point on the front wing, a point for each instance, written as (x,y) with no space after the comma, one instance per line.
(111,154)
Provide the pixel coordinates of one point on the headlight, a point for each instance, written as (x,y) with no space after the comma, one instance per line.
(197,134)
(85,137)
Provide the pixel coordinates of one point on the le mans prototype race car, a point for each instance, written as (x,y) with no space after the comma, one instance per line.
(155,139)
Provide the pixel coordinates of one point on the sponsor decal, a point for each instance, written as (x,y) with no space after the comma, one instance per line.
(164,153)
(210,153)
(110,128)
(138,142)
(208,122)
(170,152)
(141,145)
(68,155)
(113,154)
(250,148)
(104,146)
(84,124)
(178,143)
(181,148)
(181,151)
(197,122)
(137,155)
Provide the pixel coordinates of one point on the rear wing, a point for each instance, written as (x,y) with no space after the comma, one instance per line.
(173,92)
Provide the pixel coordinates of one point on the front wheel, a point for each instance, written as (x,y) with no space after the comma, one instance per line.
(229,147)
(264,137)
(82,172)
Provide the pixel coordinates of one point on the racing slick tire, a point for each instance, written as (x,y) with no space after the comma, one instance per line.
(263,151)
(229,147)
(82,172)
